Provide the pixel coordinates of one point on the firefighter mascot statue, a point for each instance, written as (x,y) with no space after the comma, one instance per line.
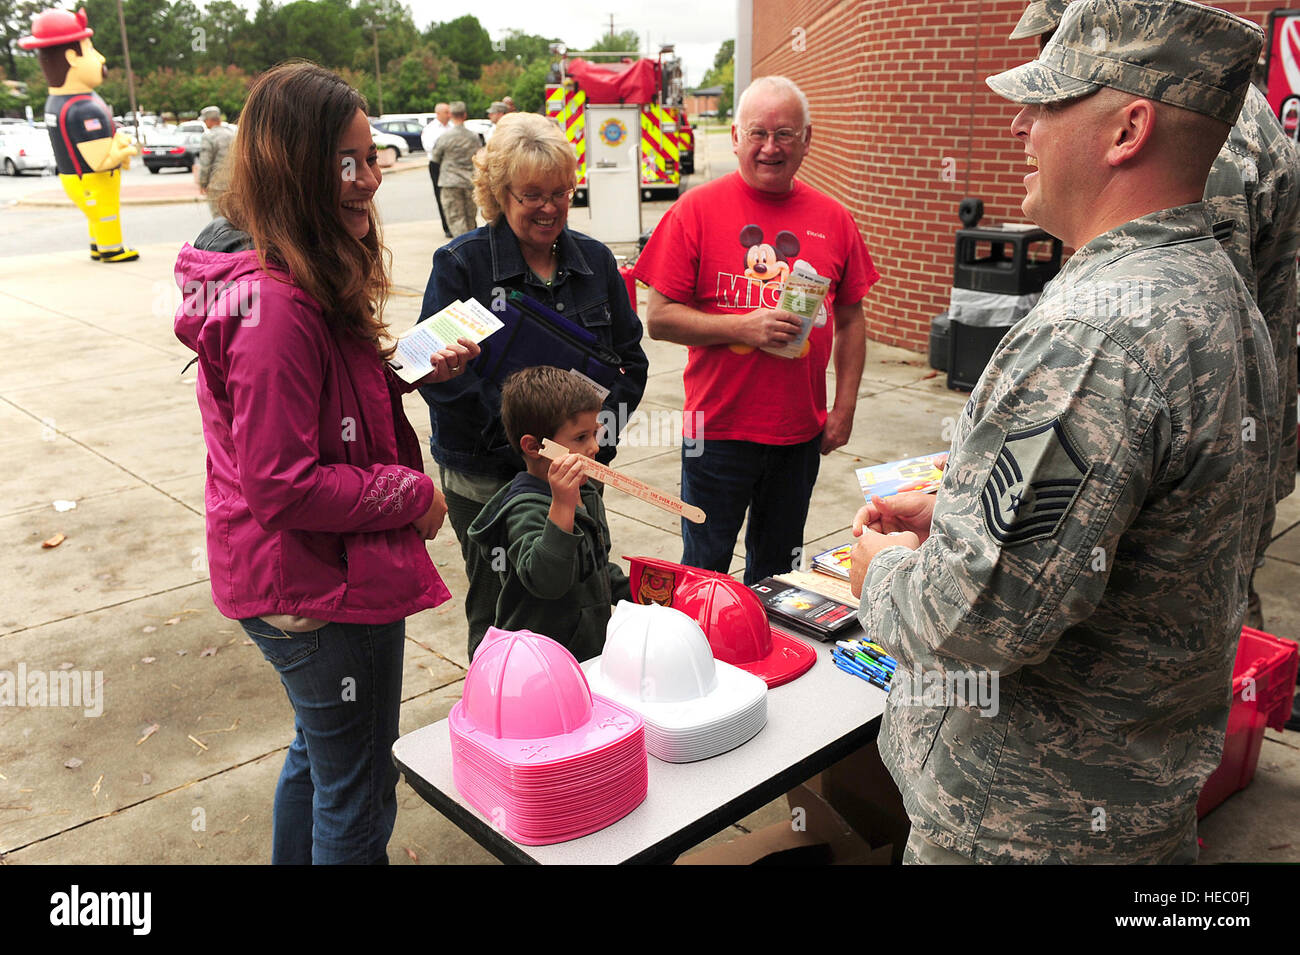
(90,156)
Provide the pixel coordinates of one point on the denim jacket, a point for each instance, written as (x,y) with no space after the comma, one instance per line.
(466,411)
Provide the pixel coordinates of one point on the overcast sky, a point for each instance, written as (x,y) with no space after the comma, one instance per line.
(696,27)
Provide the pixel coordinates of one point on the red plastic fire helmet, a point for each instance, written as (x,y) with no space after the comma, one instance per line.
(53,27)
(729,613)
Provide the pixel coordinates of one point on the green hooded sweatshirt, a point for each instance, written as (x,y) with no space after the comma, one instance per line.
(560,585)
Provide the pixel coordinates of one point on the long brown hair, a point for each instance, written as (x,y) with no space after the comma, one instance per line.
(285,185)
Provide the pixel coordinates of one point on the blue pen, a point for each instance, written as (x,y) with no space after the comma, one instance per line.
(865,667)
(883,663)
(866,661)
(883,653)
(850,668)
(877,671)
(874,681)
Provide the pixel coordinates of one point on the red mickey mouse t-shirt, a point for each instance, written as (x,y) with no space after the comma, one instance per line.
(725,248)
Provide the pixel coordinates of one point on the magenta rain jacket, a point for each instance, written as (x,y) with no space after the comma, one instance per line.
(314,474)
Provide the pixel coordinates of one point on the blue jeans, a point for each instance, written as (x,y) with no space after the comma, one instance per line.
(773,482)
(336,800)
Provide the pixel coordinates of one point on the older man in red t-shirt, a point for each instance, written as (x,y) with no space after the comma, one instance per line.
(756,424)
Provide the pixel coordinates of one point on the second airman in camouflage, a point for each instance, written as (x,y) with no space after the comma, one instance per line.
(1095,531)
(1255,185)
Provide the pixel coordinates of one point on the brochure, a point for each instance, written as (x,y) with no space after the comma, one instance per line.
(804,610)
(834,561)
(460,319)
(820,583)
(912,474)
(803,294)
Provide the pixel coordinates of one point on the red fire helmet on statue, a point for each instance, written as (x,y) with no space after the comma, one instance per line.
(56,27)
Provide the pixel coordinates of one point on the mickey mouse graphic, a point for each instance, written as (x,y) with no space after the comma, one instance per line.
(770,264)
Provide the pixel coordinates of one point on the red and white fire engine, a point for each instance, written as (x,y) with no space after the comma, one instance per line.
(667,140)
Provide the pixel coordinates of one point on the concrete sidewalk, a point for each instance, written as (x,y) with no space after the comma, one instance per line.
(96,407)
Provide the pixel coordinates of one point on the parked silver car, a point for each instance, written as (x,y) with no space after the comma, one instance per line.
(25,148)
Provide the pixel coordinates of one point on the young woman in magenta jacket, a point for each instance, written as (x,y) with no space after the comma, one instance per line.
(318,507)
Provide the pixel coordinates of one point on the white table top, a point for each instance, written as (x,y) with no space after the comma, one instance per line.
(812,722)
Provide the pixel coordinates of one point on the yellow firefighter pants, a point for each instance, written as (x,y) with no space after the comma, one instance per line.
(96,195)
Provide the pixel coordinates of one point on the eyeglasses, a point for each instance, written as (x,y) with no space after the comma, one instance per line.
(784,137)
(535,200)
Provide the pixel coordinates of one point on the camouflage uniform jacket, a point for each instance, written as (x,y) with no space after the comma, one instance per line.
(454,152)
(214,160)
(1091,544)
(1255,182)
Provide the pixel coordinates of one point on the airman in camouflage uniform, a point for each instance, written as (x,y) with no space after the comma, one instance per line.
(214,157)
(1095,531)
(1255,184)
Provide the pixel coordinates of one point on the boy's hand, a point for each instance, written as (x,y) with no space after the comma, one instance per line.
(565,476)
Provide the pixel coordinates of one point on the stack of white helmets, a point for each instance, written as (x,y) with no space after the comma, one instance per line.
(657,661)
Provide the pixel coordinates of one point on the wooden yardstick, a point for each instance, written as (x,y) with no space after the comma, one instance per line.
(628,485)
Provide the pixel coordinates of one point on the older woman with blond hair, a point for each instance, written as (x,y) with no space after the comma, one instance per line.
(524,181)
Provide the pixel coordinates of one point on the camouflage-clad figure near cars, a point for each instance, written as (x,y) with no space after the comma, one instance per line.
(1255,183)
(1094,535)
(214,157)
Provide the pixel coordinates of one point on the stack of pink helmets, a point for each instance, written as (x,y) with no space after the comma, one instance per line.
(534,751)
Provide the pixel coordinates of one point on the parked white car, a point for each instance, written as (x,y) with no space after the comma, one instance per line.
(25,149)
(480,126)
(390,148)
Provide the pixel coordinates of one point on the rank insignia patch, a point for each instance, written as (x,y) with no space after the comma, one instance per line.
(1033,484)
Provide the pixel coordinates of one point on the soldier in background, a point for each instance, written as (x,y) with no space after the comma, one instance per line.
(214,157)
(1093,539)
(1255,184)
(454,153)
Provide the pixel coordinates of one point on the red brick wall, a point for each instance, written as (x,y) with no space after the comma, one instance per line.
(904,128)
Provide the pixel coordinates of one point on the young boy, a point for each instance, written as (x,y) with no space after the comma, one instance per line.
(545,532)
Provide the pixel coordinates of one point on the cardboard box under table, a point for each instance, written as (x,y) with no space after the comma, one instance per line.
(813,722)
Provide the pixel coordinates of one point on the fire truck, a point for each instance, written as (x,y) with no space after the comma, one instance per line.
(667,140)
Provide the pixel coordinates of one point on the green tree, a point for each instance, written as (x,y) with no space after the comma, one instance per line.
(726,54)
(530,89)
(524,48)
(363,81)
(415,82)
(269,36)
(9,101)
(498,79)
(465,41)
(397,36)
(723,74)
(159,34)
(16,21)
(320,31)
(627,40)
(226,35)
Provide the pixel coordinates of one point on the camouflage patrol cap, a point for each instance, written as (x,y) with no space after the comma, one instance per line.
(1041,16)
(1172,51)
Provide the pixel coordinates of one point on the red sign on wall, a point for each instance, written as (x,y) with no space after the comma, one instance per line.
(1284,69)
